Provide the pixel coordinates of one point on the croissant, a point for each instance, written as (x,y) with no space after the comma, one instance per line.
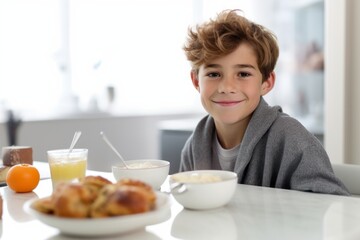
(97,197)
(94,184)
(146,189)
(72,200)
(115,200)
(44,205)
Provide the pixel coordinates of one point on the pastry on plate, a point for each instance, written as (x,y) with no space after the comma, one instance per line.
(97,197)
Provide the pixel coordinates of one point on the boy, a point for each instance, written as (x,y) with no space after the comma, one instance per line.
(233,61)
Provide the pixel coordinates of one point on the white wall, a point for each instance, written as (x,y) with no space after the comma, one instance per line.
(353,101)
(342,86)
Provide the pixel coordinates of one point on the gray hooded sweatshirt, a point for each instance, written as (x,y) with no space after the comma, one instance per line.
(276,151)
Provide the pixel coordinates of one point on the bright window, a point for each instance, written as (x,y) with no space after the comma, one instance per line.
(135,47)
(125,56)
(30,47)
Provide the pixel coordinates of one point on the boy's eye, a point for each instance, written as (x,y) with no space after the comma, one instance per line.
(244,74)
(213,74)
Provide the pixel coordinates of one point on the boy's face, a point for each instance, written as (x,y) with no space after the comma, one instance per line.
(230,87)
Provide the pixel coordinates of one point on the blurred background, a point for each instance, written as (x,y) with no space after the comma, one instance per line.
(118,65)
(85,56)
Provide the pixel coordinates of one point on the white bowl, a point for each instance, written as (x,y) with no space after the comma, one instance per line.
(151,171)
(203,189)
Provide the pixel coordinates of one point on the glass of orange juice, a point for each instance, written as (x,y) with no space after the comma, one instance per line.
(65,166)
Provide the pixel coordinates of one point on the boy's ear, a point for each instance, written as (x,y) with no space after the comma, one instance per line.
(195,80)
(268,84)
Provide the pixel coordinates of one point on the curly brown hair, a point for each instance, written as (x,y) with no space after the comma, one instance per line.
(223,35)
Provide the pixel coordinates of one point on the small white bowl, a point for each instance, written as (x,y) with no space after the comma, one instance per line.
(151,171)
(203,189)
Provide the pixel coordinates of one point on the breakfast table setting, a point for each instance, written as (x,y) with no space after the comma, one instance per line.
(252,213)
(139,199)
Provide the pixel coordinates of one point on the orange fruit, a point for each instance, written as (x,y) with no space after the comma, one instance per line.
(22,178)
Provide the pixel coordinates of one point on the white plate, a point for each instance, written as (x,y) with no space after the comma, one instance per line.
(105,226)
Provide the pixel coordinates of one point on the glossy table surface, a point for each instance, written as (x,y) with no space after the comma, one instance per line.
(254,213)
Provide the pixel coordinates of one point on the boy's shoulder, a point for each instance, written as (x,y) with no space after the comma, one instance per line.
(273,120)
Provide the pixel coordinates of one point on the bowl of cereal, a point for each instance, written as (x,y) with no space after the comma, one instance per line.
(203,189)
(151,171)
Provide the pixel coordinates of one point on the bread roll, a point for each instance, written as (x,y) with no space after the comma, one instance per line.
(145,188)
(94,184)
(44,205)
(97,197)
(116,200)
(72,200)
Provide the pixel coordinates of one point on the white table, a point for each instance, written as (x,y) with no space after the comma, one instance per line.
(254,213)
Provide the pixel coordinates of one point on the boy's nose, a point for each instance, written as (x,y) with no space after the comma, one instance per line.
(227,85)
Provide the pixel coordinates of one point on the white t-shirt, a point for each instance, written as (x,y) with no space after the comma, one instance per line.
(227,157)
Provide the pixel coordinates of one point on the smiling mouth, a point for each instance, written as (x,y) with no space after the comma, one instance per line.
(228,103)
